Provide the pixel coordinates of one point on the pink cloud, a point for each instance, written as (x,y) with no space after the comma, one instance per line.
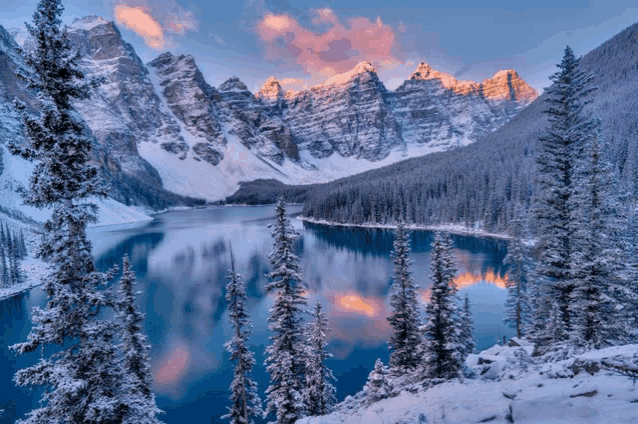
(154,20)
(335,49)
(138,20)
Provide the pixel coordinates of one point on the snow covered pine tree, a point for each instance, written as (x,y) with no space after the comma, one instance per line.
(569,127)
(320,393)
(442,349)
(139,400)
(404,320)
(517,307)
(599,294)
(245,401)
(285,355)
(81,378)
(378,385)
(467,328)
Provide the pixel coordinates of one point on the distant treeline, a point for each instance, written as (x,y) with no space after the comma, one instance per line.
(13,250)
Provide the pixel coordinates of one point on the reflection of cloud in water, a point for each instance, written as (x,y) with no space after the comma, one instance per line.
(352,302)
(171,368)
(468,279)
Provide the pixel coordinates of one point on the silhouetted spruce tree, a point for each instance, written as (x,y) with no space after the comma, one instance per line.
(442,348)
(245,401)
(137,400)
(285,355)
(557,163)
(80,379)
(320,393)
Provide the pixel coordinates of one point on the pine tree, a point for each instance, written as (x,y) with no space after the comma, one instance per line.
(378,385)
(320,393)
(556,166)
(137,398)
(467,328)
(405,338)
(4,270)
(599,293)
(442,349)
(22,245)
(80,380)
(3,236)
(285,356)
(245,401)
(517,306)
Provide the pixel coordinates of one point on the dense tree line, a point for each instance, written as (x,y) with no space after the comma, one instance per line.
(13,250)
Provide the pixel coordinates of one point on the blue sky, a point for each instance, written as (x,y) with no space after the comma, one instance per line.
(304,41)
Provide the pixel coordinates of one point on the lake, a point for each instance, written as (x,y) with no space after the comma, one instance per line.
(181,260)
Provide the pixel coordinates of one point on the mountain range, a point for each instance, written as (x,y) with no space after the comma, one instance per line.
(486,184)
(160,128)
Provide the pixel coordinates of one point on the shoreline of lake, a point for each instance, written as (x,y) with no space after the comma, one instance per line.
(448,228)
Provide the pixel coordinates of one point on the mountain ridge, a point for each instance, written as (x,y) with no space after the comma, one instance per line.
(148,115)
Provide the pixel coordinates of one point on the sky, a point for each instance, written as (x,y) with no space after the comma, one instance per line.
(303,42)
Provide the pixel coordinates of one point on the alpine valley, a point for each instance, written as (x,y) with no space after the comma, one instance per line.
(163,136)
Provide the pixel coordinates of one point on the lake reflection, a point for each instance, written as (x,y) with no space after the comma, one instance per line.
(181,260)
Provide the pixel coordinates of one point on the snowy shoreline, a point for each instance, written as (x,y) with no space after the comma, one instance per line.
(35,270)
(452,229)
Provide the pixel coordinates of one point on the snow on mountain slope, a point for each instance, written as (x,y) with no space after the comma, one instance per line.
(551,393)
(162,124)
(15,178)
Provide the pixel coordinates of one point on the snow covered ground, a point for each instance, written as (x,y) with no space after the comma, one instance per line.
(506,393)
(15,177)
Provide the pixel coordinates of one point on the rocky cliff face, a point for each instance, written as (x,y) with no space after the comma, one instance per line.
(350,114)
(194,103)
(166,114)
(258,126)
(436,108)
(10,88)
(124,110)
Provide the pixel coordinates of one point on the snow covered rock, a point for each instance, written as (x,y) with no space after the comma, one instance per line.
(350,114)
(125,109)
(531,398)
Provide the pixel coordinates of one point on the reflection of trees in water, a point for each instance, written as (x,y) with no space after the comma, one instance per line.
(368,241)
(255,277)
(378,242)
(214,249)
(138,247)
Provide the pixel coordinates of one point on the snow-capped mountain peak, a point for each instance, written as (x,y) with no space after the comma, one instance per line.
(271,90)
(88,22)
(145,117)
(362,68)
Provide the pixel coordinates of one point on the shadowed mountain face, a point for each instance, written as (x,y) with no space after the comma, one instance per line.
(163,125)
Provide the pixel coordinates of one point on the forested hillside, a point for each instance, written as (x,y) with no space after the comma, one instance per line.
(482,184)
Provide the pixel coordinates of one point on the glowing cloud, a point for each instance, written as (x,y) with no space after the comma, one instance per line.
(155,20)
(142,23)
(335,49)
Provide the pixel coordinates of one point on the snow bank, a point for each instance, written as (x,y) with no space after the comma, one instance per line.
(527,397)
